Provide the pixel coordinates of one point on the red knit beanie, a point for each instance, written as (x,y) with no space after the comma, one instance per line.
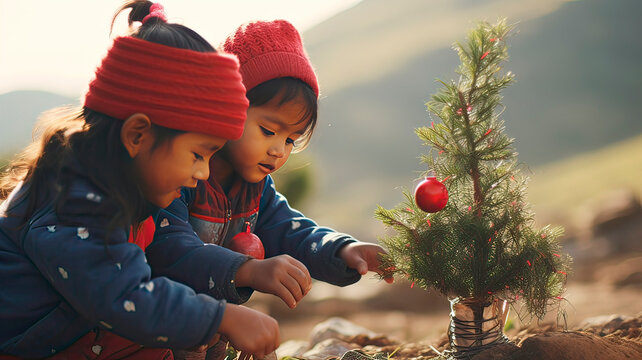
(268,50)
(177,88)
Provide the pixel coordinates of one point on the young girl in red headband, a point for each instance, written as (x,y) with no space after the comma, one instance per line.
(74,285)
(283,91)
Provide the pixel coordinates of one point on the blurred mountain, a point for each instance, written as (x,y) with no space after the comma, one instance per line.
(18,113)
(578,80)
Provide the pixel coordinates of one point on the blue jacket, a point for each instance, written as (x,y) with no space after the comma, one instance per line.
(59,280)
(185,231)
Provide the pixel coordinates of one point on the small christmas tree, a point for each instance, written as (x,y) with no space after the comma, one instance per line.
(483,245)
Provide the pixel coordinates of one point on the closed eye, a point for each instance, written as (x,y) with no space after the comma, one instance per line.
(266,131)
(197,156)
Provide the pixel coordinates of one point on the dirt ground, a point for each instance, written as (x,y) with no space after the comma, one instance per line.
(606,280)
(413,314)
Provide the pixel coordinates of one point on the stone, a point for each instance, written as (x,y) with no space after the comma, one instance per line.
(498,352)
(292,348)
(577,345)
(329,348)
(614,325)
(338,328)
(604,324)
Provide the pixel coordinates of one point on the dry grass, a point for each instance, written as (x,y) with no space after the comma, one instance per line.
(566,186)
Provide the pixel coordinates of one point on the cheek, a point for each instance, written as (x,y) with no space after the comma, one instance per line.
(162,169)
(182,169)
(182,163)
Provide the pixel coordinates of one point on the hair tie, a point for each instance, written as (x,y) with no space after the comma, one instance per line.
(156,10)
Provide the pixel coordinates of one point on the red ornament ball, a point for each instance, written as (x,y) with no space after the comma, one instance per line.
(247,243)
(431,195)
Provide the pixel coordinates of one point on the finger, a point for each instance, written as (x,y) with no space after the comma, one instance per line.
(286,295)
(302,278)
(361,266)
(388,278)
(277,337)
(293,288)
(270,349)
(301,267)
(374,264)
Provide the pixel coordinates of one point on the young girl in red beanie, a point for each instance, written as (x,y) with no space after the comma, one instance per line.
(74,285)
(283,91)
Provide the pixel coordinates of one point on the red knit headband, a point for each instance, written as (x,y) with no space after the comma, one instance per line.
(177,88)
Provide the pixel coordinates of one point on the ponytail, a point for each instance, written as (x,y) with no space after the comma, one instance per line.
(156,28)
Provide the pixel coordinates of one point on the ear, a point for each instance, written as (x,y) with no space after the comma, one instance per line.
(135,133)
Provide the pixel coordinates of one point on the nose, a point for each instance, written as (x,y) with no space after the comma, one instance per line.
(202,170)
(277,149)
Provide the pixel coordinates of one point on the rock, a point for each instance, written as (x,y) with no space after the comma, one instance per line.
(603,325)
(328,348)
(613,337)
(292,348)
(621,272)
(632,279)
(498,352)
(576,346)
(601,337)
(338,328)
(614,325)
(365,340)
(573,345)
(618,220)
(614,207)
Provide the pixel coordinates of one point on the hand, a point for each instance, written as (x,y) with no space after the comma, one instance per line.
(249,331)
(364,257)
(282,275)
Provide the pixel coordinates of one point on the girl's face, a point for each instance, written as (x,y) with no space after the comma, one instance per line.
(181,161)
(267,141)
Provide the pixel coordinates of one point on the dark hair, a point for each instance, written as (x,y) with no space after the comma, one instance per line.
(287,89)
(158,31)
(91,138)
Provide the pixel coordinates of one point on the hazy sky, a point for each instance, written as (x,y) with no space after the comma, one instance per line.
(56,45)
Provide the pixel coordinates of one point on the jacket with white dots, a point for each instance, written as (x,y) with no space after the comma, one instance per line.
(61,277)
(188,232)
